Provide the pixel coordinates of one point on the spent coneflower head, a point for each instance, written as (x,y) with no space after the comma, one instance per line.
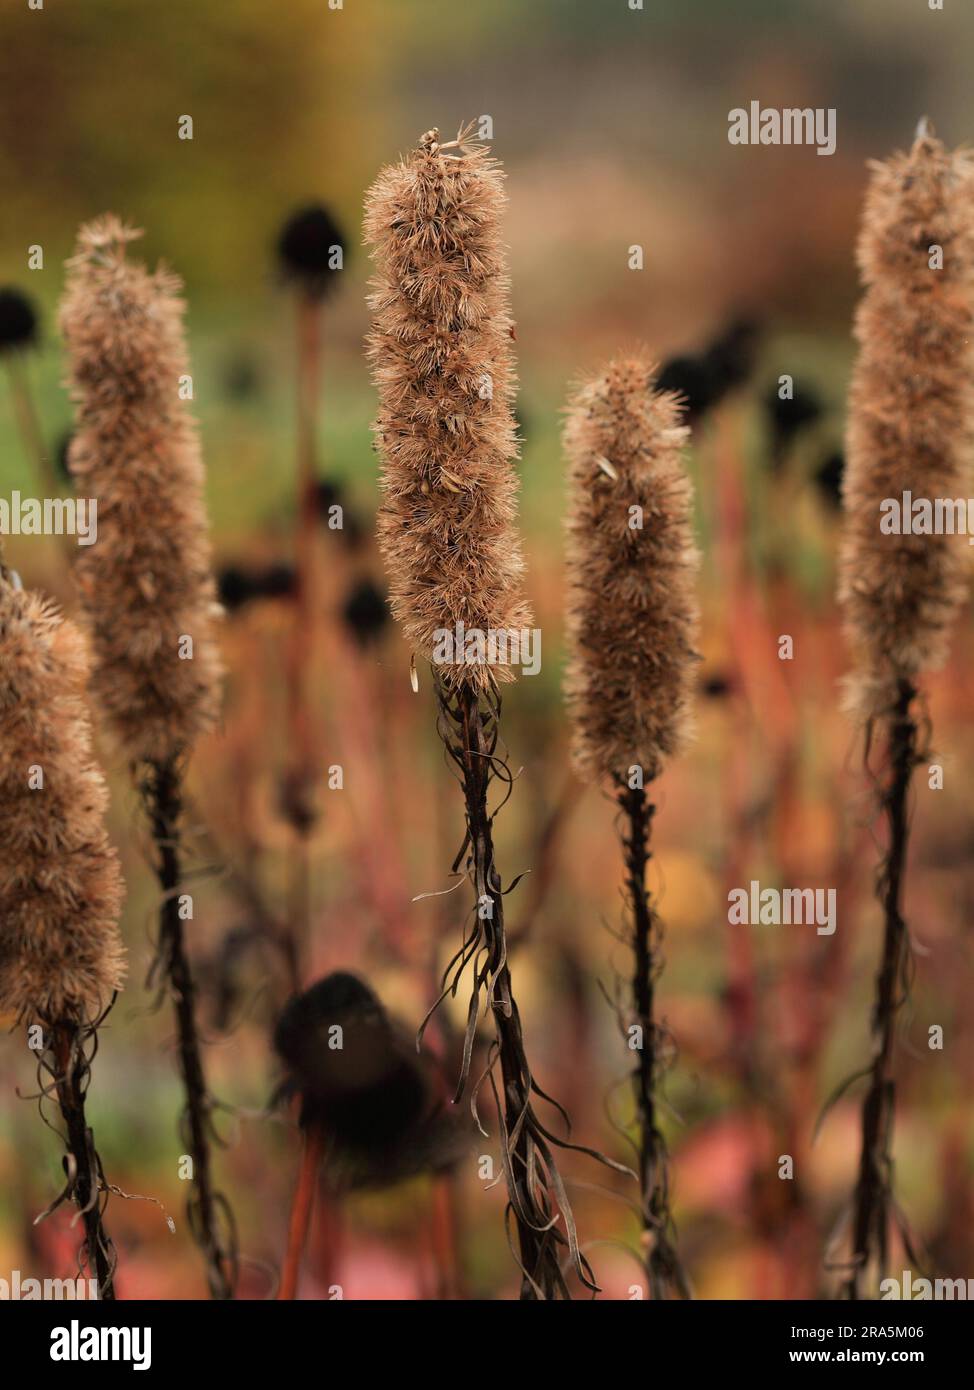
(909,419)
(311,251)
(61,956)
(146,585)
(632,564)
(18,321)
(441,352)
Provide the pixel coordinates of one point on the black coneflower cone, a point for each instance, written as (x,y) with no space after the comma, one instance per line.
(828,478)
(373,1097)
(365,611)
(789,416)
(703,379)
(18,320)
(305,248)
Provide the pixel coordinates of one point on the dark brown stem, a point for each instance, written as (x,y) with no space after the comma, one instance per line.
(207,1210)
(86,1183)
(662,1263)
(537,1200)
(873,1195)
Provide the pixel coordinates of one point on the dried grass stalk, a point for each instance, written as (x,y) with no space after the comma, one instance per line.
(909,431)
(149,596)
(440,348)
(61,957)
(147,584)
(442,359)
(910,413)
(632,566)
(632,627)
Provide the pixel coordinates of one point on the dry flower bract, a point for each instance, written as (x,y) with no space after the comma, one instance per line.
(60,885)
(632,567)
(909,419)
(146,584)
(441,353)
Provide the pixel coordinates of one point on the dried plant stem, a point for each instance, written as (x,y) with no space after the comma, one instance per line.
(301,647)
(873,1195)
(301,1209)
(207,1210)
(537,1200)
(86,1182)
(662,1262)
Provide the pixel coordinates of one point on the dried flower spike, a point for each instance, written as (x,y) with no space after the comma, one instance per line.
(441,353)
(146,585)
(910,413)
(632,625)
(61,957)
(910,418)
(632,565)
(60,884)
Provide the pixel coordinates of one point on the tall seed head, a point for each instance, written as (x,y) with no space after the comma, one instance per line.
(632,567)
(60,884)
(441,354)
(909,419)
(145,584)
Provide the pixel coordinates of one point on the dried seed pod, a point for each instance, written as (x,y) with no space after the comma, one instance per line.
(632,566)
(910,411)
(146,585)
(61,891)
(442,359)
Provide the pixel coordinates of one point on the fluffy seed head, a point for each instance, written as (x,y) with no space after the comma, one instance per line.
(632,566)
(60,885)
(145,585)
(909,419)
(442,359)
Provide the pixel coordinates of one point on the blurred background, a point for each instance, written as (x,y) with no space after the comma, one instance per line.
(612,126)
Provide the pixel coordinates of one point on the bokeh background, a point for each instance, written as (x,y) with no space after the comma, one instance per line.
(612,125)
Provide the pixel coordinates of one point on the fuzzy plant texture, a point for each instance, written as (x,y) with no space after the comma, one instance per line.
(632,564)
(910,415)
(61,890)
(441,352)
(146,585)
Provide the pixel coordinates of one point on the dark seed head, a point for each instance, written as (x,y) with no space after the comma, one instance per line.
(18,320)
(276,581)
(307,250)
(790,416)
(236,587)
(694,379)
(365,612)
(829,477)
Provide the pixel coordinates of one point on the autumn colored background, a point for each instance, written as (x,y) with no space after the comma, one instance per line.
(612,125)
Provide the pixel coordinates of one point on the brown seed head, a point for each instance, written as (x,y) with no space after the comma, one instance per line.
(60,884)
(145,584)
(442,360)
(632,603)
(909,419)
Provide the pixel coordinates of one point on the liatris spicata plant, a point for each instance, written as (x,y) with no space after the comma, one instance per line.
(61,958)
(632,623)
(149,598)
(441,352)
(909,431)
